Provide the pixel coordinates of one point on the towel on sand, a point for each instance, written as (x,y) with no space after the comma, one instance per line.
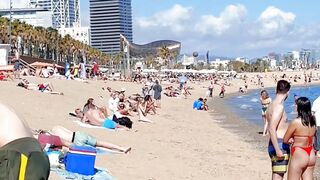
(100,175)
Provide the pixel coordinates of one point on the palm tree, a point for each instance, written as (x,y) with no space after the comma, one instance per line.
(46,43)
(164,54)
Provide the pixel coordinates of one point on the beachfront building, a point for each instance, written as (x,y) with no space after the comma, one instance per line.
(149,49)
(109,19)
(242,59)
(188,61)
(271,62)
(315,57)
(292,60)
(65,13)
(220,64)
(32,16)
(81,34)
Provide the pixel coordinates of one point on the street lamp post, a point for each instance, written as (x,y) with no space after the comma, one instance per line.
(10,25)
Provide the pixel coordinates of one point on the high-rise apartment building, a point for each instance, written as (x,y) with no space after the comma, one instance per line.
(65,13)
(109,19)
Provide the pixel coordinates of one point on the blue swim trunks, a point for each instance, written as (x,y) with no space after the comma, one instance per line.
(108,123)
(279,166)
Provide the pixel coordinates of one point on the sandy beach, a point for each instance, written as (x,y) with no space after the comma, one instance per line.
(181,144)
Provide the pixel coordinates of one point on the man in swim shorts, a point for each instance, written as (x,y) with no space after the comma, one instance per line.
(278,125)
(21,156)
(79,138)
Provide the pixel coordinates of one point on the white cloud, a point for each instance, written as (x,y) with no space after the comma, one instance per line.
(230,33)
(173,19)
(232,15)
(15,4)
(275,22)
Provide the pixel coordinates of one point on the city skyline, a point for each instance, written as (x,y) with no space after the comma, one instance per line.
(109,19)
(228,28)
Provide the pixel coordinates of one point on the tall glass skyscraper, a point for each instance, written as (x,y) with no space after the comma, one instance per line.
(109,19)
(65,13)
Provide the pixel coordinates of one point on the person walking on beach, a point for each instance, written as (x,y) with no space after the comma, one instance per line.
(222,91)
(157,88)
(301,131)
(211,89)
(278,124)
(265,101)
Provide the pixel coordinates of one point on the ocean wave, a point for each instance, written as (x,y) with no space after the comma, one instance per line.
(246,106)
(254,100)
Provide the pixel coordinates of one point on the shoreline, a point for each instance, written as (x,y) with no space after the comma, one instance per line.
(248,131)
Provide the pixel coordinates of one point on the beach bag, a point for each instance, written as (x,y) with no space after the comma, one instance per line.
(123,121)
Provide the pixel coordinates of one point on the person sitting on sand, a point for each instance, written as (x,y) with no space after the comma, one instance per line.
(21,156)
(80,138)
(149,104)
(43,87)
(205,106)
(96,118)
(198,104)
(142,111)
(113,102)
(122,111)
(91,105)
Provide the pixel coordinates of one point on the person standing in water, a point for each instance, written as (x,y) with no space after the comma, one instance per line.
(265,101)
(278,125)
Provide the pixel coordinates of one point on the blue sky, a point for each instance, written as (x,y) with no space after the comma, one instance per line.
(247,28)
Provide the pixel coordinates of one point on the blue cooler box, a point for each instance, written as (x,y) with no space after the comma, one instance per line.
(81,159)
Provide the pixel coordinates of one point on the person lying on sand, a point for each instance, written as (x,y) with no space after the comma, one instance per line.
(96,118)
(6,76)
(170,92)
(43,87)
(79,138)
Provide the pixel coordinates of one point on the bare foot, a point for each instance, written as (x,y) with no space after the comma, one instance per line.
(127,150)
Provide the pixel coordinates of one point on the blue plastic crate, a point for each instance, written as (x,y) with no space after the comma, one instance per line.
(81,160)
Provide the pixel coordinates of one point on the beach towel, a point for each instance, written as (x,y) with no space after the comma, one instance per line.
(100,174)
(86,125)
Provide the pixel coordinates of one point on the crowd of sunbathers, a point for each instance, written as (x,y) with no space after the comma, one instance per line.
(46,87)
(119,112)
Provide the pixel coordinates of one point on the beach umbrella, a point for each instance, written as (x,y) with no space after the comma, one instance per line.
(43,64)
(183,79)
(6,68)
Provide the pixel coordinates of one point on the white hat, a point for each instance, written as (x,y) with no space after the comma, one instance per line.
(123,89)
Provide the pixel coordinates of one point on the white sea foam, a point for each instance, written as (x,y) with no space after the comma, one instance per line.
(245,106)
(254,100)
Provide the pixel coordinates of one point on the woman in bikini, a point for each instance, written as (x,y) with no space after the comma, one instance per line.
(300,133)
(265,101)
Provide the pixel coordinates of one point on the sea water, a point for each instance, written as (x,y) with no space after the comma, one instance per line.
(248,106)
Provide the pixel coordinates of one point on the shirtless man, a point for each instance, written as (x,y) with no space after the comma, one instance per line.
(81,138)
(96,118)
(278,124)
(21,155)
